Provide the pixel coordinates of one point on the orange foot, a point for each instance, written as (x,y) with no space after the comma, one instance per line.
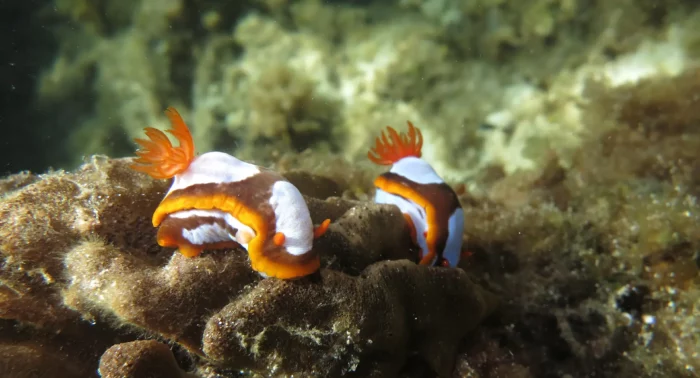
(190,250)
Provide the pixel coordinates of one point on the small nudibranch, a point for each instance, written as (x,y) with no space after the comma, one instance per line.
(217,201)
(431,208)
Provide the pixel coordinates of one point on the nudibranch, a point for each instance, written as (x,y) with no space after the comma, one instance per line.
(218,201)
(430,206)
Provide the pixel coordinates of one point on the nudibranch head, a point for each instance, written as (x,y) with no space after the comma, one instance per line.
(430,206)
(218,201)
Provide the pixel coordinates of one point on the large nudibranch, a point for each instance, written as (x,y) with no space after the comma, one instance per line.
(217,201)
(431,208)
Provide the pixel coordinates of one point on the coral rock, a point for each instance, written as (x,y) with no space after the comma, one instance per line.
(170,300)
(341,324)
(31,360)
(361,234)
(139,359)
(81,259)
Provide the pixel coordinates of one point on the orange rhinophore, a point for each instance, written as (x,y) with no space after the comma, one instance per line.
(159,158)
(402,145)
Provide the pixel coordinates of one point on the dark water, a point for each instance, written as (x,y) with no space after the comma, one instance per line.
(28,47)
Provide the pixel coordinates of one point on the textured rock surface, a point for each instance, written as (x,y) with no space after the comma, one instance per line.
(31,359)
(140,359)
(79,249)
(609,285)
(365,326)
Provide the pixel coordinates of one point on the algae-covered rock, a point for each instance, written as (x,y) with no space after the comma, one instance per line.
(79,251)
(609,283)
(364,326)
(32,359)
(138,359)
(16,181)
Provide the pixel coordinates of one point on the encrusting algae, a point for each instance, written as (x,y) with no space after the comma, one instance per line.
(107,270)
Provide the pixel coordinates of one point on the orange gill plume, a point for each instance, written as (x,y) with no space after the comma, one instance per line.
(390,150)
(158,157)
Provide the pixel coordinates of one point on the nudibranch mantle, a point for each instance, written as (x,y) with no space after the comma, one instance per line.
(218,201)
(430,206)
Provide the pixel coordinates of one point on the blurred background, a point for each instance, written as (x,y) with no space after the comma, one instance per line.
(490,82)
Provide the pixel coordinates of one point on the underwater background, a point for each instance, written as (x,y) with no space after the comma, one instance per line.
(570,130)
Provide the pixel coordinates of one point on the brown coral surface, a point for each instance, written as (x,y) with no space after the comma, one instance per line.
(80,259)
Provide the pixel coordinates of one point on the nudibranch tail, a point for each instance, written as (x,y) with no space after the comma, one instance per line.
(390,150)
(158,157)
